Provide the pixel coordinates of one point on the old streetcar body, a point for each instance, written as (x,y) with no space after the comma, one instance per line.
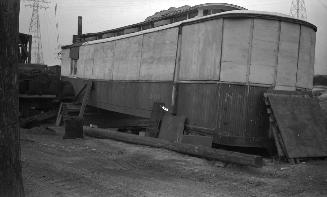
(213,70)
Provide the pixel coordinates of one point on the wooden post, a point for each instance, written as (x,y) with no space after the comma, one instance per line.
(10,166)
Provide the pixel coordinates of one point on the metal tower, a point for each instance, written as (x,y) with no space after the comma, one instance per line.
(34,29)
(298,9)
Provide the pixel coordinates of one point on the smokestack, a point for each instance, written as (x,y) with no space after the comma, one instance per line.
(79,25)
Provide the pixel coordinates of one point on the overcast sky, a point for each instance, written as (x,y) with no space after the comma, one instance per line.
(100,15)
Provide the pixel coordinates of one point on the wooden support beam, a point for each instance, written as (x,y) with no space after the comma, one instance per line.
(197,151)
(38,118)
(85,98)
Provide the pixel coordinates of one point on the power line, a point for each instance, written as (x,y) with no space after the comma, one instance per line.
(35,29)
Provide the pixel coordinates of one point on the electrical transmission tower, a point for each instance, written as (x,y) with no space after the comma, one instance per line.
(35,30)
(298,9)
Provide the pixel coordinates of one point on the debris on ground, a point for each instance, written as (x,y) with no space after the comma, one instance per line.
(101,167)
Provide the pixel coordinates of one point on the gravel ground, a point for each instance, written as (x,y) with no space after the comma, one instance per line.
(95,167)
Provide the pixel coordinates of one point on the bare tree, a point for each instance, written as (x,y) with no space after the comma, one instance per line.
(10,166)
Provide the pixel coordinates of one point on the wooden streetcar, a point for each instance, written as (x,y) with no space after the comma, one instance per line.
(211,69)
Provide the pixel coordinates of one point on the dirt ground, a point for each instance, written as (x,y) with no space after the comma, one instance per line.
(97,167)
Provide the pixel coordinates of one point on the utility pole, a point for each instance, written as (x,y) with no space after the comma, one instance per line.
(298,9)
(35,29)
(11,184)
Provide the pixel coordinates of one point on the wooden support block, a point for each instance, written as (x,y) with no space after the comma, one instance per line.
(59,115)
(73,128)
(85,98)
(156,116)
(172,128)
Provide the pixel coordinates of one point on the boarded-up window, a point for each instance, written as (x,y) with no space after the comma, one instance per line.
(193,14)
(74,53)
(81,61)
(215,11)
(288,56)
(89,61)
(103,60)
(264,51)
(201,50)
(180,18)
(159,55)
(73,67)
(206,12)
(127,58)
(237,36)
(306,58)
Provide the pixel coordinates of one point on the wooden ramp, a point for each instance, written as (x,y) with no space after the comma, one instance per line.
(67,110)
(298,125)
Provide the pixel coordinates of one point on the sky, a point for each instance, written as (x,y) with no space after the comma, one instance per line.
(100,15)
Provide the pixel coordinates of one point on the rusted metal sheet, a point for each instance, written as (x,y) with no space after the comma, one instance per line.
(241,116)
(234,114)
(198,103)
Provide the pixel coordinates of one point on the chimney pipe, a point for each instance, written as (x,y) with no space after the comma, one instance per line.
(79,25)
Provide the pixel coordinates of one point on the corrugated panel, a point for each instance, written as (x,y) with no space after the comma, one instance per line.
(242,118)
(198,102)
(236,114)
(232,110)
(257,117)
